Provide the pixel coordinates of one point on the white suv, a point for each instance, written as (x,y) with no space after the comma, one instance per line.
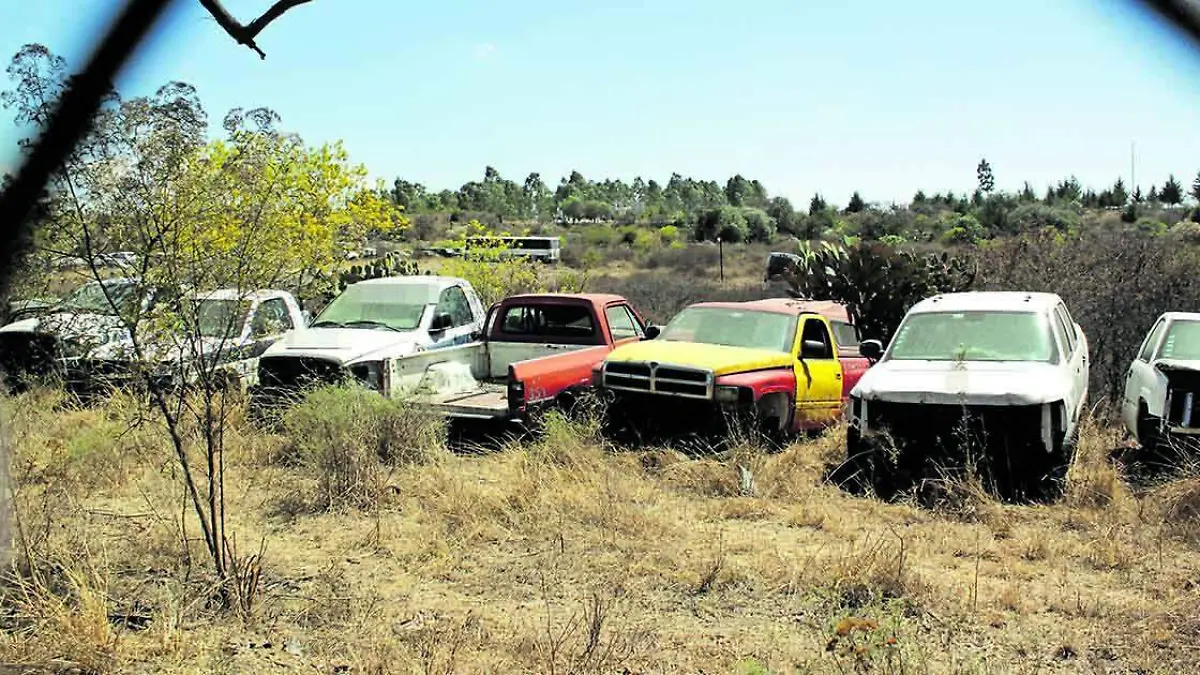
(996,380)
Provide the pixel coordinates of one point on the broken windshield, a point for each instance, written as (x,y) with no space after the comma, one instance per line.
(733,327)
(975,336)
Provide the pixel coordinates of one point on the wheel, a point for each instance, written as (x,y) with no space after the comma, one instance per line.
(856,474)
(772,420)
(1148,433)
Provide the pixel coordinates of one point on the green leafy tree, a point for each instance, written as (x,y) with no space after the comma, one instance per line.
(856,204)
(738,191)
(987,182)
(1119,195)
(1027,193)
(727,222)
(919,198)
(1196,187)
(760,226)
(816,204)
(780,210)
(1172,192)
(1152,195)
(1137,196)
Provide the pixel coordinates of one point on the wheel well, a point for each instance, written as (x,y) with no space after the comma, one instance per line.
(775,405)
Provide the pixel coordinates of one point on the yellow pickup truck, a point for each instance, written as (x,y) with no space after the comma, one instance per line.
(785,364)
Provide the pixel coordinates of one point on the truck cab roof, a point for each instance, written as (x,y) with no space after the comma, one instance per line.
(598,299)
(834,311)
(996,301)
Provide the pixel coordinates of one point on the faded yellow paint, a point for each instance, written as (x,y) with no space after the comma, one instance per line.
(719,359)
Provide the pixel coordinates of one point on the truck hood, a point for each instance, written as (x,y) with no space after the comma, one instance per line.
(719,359)
(965,383)
(345,345)
(22,326)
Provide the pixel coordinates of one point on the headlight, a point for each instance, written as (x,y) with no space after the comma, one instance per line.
(726,394)
(369,374)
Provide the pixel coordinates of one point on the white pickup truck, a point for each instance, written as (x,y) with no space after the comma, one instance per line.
(51,346)
(369,323)
(994,379)
(89,345)
(1162,386)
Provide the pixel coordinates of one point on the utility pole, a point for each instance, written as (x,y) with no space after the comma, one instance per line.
(721,257)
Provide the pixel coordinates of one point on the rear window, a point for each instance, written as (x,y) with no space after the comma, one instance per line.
(845,334)
(550,321)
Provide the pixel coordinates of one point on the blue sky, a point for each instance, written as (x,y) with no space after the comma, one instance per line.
(805,95)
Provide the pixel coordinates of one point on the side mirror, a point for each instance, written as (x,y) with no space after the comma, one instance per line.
(440,322)
(652,332)
(871,349)
(812,349)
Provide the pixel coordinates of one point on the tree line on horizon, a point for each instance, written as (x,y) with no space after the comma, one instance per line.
(742,209)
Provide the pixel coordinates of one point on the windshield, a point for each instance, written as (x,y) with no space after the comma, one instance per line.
(1182,341)
(733,327)
(96,299)
(397,306)
(975,336)
(221,318)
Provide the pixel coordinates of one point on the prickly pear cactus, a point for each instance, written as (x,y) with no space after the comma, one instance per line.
(878,283)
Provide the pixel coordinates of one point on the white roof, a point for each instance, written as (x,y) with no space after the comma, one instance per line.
(235,293)
(1182,316)
(1000,301)
(415,280)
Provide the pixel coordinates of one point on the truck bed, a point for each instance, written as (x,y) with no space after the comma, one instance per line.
(488,402)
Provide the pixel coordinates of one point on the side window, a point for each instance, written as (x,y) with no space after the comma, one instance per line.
(814,329)
(1060,333)
(1152,340)
(454,303)
(1066,334)
(621,323)
(845,334)
(272,317)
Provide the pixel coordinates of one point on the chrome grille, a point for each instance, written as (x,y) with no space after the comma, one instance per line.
(654,378)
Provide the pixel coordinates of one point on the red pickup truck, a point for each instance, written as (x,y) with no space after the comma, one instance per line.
(536,350)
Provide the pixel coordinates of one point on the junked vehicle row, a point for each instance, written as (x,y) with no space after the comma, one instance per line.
(991,382)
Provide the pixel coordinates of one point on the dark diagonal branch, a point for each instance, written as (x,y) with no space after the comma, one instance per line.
(245,34)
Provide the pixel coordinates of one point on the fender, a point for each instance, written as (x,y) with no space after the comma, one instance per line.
(762,382)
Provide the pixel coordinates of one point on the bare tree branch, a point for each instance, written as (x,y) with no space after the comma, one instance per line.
(245,34)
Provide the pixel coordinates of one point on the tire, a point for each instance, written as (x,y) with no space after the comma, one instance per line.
(1148,435)
(856,475)
(772,421)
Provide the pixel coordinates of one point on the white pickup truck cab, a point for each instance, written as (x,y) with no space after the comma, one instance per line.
(368,323)
(53,345)
(997,378)
(1162,385)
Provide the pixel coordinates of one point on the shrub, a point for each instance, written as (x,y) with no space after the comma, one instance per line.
(346,436)
(669,234)
(1035,217)
(727,222)
(759,226)
(1115,284)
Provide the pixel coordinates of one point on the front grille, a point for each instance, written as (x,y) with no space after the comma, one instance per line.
(955,429)
(1183,398)
(651,377)
(287,372)
(27,357)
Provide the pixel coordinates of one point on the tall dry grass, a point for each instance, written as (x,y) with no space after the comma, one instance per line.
(566,555)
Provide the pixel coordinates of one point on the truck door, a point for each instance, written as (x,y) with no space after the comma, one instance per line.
(453,302)
(818,375)
(621,324)
(1141,378)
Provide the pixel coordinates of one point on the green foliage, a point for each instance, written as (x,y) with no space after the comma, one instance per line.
(1172,192)
(760,226)
(727,222)
(856,203)
(669,234)
(987,182)
(348,436)
(963,229)
(1150,226)
(878,283)
(1034,217)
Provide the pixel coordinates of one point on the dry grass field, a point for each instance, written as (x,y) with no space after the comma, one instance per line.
(564,556)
